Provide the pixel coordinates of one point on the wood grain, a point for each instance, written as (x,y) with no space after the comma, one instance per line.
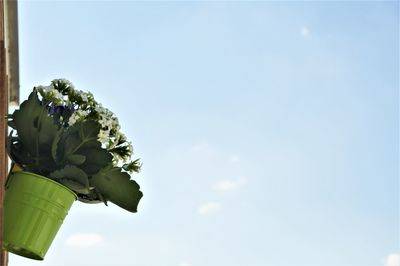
(3,126)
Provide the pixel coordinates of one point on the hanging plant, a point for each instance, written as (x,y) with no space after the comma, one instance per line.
(65,135)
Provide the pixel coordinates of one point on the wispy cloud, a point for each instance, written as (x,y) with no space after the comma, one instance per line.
(393,260)
(209,207)
(84,240)
(184,264)
(304,31)
(229,184)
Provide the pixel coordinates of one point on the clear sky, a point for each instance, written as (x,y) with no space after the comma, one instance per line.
(268,131)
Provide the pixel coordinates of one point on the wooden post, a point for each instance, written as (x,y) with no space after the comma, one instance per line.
(12,55)
(3,125)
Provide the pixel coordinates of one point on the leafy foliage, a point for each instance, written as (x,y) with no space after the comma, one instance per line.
(36,131)
(42,143)
(73,177)
(112,179)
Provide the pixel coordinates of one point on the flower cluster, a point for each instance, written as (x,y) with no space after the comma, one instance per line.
(74,106)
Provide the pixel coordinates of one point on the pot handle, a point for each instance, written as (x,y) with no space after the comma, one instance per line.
(14,168)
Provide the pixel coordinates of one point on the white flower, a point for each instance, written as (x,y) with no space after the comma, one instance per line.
(84,97)
(55,94)
(130,147)
(40,88)
(67,82)
(82,104)
(44,89)
(99,108)
(77,116)
(121,137)
(72,119)
(103,136)
(115,124)
(105,122)
(82,113)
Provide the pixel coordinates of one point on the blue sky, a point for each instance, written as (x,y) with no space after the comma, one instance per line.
(268,131)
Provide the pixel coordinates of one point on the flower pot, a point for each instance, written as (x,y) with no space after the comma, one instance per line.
(34,209)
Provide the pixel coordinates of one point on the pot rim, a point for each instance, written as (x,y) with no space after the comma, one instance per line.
(46,178)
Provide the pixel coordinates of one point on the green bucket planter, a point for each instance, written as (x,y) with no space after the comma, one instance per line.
(34,209)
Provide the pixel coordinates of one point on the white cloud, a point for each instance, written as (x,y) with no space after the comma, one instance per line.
(209,207)
(84,240)
(393,260)
(229,184)
(184,264)
(304,31)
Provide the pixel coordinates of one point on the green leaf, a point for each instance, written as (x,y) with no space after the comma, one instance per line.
(116,186)
(89,130)
(73,177)
(72,143)
(96,159)
(16,151)
(133,166)
(74,186)
(34,126)
(77,159)
(36,131)
(91,197)
(80,135)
